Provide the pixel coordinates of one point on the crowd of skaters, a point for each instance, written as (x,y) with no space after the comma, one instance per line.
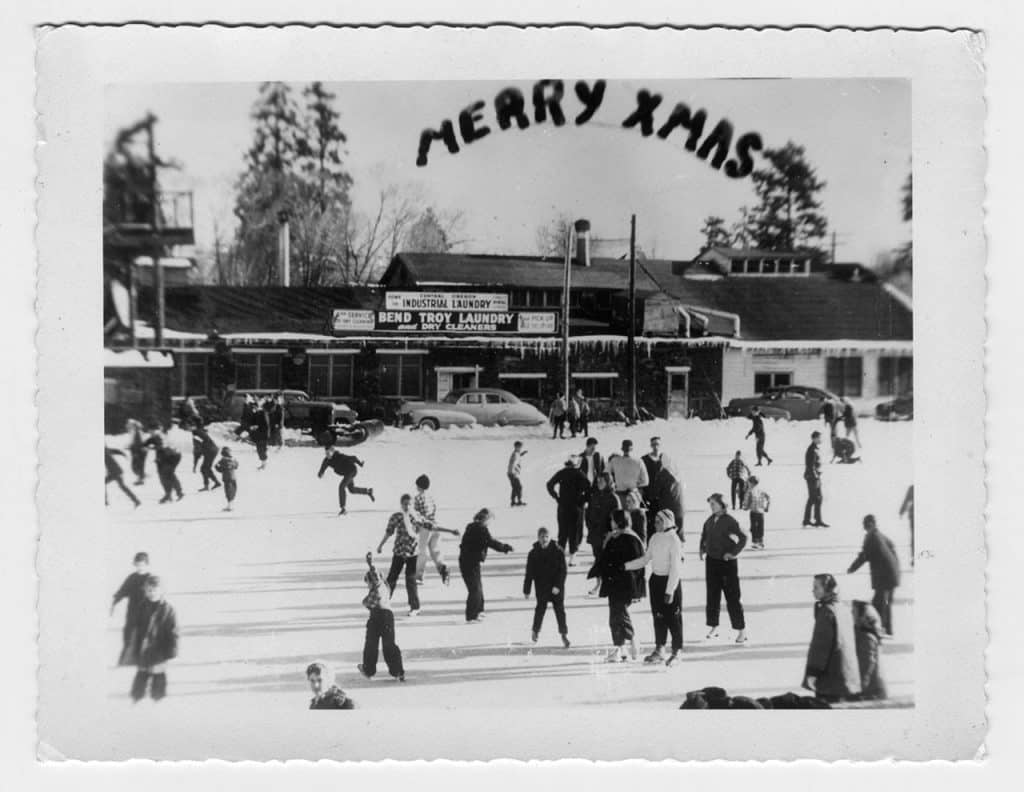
(632,513)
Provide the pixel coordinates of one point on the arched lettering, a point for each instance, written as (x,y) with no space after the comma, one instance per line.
(547,98)
(428,136)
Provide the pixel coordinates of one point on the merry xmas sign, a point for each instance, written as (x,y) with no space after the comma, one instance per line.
(549,102)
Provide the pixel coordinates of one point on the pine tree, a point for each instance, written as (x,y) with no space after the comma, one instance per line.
(788,216)
(714,232)
(320,148)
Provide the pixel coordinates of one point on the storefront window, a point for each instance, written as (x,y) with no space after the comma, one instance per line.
(527,386)
(763,380)
(895,376)
(257,370)
(844,375)
(600,387)
(330,375)
(401,375)
(195,372)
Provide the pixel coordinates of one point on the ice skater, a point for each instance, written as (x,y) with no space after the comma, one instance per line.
(592,464)
(116,474)
(476,540)
(157,643)
(275,420)
(546,572)
(404,553)
(843,449)
(167,460)
(757,502)
(259,431)
(757,430)
(227,466)
(132,589)
(573,491)
(138,450)
(515,472)
(557,416)
(738,473)
(665,555)
(208,451)
(654,460)
(907,510)
(620,586)
(326,694)
(628,473)
(721,541)
(380,627)
(849,419)
(868,633)
(582,412)
(347,467)
(425,518)
(598,518)
(831,671)
(812,476)
(879,552)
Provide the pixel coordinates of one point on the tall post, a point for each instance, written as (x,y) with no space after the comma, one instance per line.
(158,270)
(833,247)
(284,248)
(631,337)
(566,286)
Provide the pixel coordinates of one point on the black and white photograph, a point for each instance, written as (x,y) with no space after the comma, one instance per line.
(392,360)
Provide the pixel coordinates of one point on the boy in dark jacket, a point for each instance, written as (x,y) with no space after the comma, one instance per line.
(115,473)
(472,553)
(880,554)
(167,460)
(259,431)
(157,643)
(812,477)
(572,495)
(347,467)
(546,571)
(757,430)
(620,586)
(228,468)
(380,627)
(208,451)
(326,694)
(138,451)
(134,590)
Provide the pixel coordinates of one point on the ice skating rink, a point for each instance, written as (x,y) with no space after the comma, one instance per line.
(262,591)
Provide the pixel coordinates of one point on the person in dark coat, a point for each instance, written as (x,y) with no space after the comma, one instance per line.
(850,421)
(167,460)
(738,473)
(227,466)
(603,501)
(259,431)
(557,416)
(133,590)
(138,450)
(347,467)
(722,540)
(812,476)
(157,642)
(880,554)
(275,417)
(380,627)
(546,572)
(246,418)
(633,505)
(591,462)
(757,430)
(654,461)
(208,450)
(831,672)
(573,491)
(472,553)
(867,629)
(620,586)
(116,474)
(326,694)
(666,492)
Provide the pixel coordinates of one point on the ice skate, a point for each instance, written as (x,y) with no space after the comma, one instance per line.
(634,650)
(616,655)
(534,636)
(565,641)
(655,657)
(712,633)
(741,637)
(363,671)
(342,511)
(673,659)
(414,613)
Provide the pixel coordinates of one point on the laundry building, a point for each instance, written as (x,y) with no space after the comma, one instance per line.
(725,324)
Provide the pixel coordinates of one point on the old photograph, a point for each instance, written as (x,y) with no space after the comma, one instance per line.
(460,398)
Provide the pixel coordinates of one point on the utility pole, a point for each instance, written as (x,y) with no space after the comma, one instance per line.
(158,270)
(631,338)
(284,255)
(566,285)
(833,259)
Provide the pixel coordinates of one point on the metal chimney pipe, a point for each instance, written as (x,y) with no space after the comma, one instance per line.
(582,228)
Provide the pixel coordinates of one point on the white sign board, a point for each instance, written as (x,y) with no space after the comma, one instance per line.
(345,320)
(446,301)
(537,322)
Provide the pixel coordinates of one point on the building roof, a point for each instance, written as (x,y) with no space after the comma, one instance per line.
(745,253)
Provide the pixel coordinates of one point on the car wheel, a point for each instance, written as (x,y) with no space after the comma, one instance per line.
(429,423)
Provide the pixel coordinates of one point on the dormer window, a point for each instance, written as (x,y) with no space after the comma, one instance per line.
(753,266)
(737,267)
(768,266)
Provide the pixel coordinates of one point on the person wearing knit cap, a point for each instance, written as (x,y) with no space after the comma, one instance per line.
(665,555)
(721,541)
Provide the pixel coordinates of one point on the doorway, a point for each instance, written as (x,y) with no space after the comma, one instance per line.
(451,378)
(678,400)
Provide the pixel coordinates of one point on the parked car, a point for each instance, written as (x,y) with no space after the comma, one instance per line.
(800,402)
(300,412)
(898,409)
(484,406)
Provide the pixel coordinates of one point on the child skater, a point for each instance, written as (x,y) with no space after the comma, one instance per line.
(515,470)
(472,553)
(227,466)
(380,627)
(756,501)
(326,694)
(546,571)
(405,552)
(425,511)
(156,644)
(134,590)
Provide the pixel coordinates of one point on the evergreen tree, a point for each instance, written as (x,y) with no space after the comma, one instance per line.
(788,216)
(320,148)
(714,232)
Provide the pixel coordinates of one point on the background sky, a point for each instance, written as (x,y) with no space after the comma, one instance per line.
(857,134)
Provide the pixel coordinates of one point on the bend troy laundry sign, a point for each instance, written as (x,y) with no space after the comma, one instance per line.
(445,301)
(444,321)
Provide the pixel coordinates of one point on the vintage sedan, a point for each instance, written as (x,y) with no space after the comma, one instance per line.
(484,406)
(800,402)
(300,412)
(898,409)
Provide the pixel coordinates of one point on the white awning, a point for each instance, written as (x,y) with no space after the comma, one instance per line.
(137,358)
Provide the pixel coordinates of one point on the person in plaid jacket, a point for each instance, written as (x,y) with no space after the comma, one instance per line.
(756,501)
(404,552)
(380,627)
(425,511)
(738,473)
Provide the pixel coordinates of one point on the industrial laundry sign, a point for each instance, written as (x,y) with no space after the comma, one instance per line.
(442,321)
(445,301)
(549,102)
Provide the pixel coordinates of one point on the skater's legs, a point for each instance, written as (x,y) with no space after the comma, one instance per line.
(713,585)
(731,588)
(397,564)
(657,595)
(434,548)
(392,654)
(474,588)
(139,684)
(538,613)
(757,527)
(411,586)
(882,602)
(618,620)
(558,603)
(370,643)
(230,490)
(125,490)
(424,552)
(159,688)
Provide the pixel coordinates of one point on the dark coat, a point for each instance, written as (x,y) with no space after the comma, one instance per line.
(599,515)
(716,537)
(880,554)
(666,492)
(653,467)
(332,698)
(545,569)
(757,426)
(259,425)
(616,581)
(167,458)
(159,633)
(867,629)
(206,444)
(573,489)
(342,464)
(476,539)
(599,465)
(113,468)
(832,655)
(133,589)
(812,463)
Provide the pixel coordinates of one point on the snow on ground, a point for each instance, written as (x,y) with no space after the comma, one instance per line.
(262,591)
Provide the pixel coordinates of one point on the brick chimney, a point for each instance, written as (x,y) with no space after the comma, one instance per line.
(582,228)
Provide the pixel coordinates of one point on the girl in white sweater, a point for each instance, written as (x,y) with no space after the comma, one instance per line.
(665,555)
